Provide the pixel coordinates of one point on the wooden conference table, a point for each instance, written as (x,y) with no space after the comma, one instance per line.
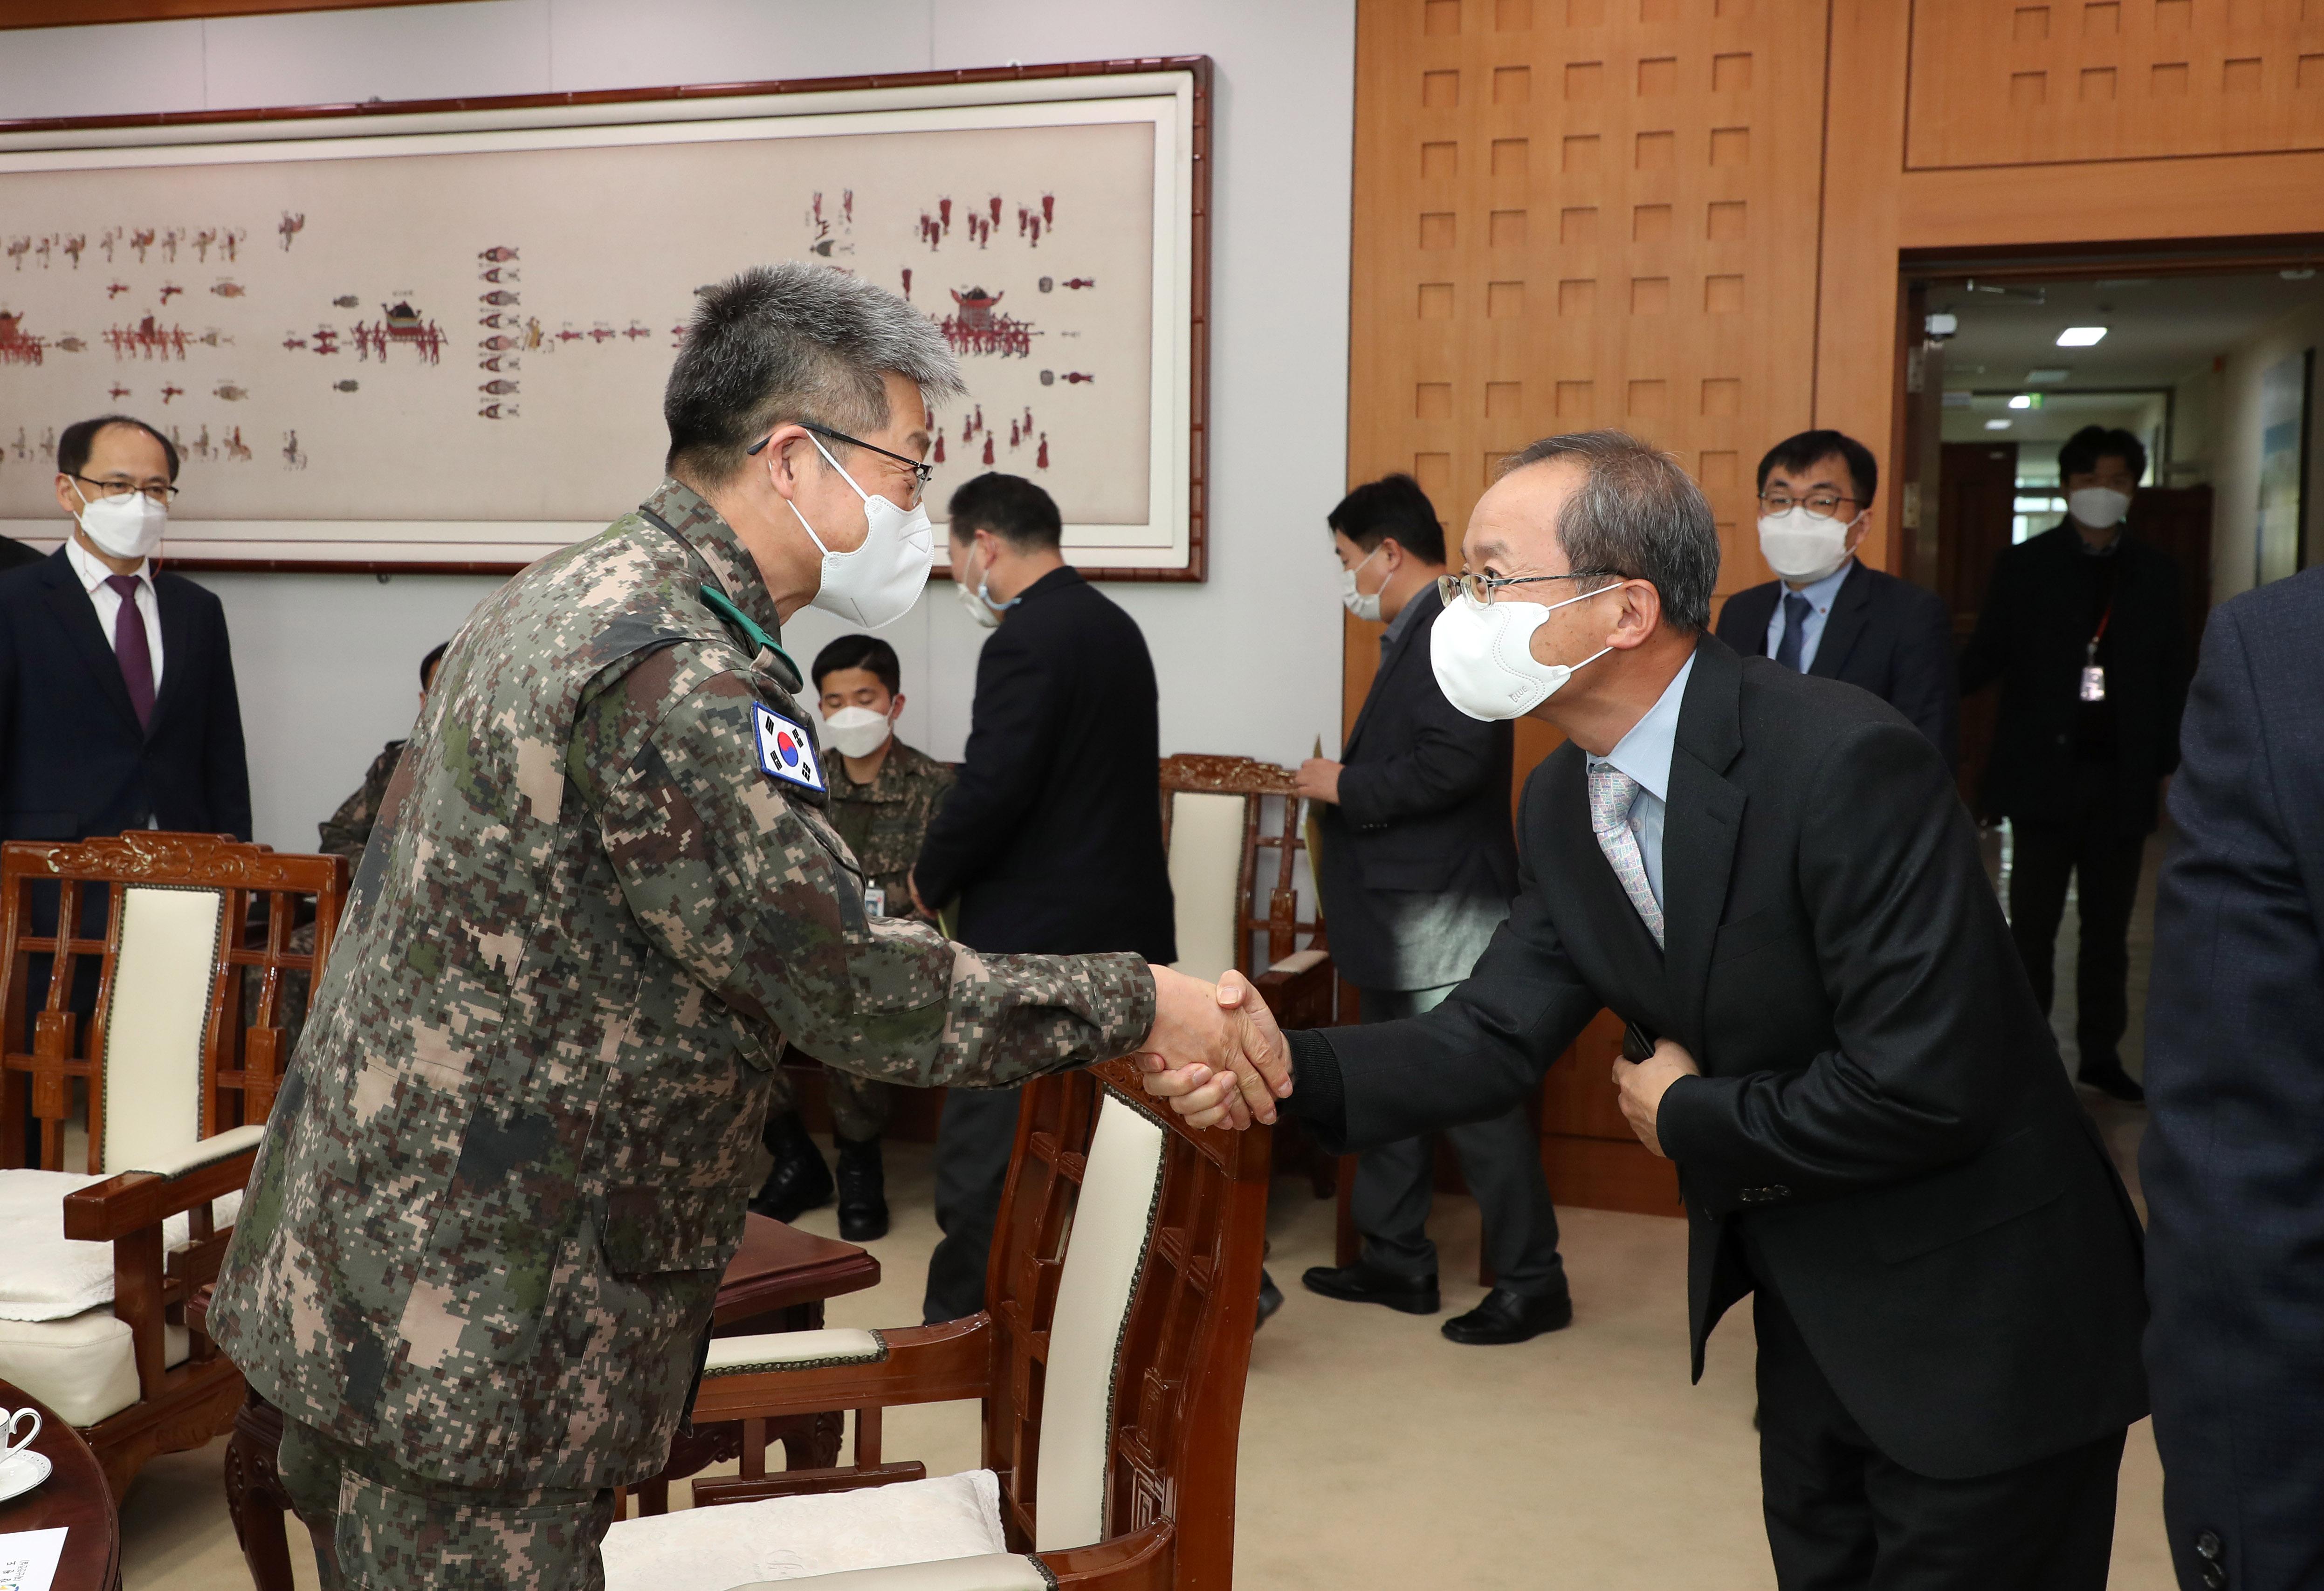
(75,1497)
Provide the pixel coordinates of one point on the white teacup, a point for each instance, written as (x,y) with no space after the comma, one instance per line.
(9,1444)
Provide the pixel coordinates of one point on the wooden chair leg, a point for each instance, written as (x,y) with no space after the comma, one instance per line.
(254,1498)
(653,1498)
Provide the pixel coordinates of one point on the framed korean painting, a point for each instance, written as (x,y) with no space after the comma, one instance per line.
(433,336)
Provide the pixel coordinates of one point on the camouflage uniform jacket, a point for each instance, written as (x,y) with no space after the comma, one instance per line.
(509,1164)
(346,831)
(884,821)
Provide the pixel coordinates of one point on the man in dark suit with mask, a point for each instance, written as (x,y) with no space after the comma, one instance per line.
(1828,613)
(1415,868)
(2081,628)
(1769,878)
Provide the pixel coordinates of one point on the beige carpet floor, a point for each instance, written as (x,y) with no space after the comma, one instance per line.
(1374,1452)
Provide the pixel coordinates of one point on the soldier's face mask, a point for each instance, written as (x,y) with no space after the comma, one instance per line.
(877,583)
(857,731)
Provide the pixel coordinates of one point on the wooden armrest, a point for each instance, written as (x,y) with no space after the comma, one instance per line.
(1298,962)
(1139,1561)
(922,1365)
(120,1206)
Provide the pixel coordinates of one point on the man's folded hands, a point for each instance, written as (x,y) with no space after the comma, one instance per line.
(1216,1053)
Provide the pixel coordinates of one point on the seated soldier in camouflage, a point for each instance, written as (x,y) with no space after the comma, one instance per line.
(882,795)
(347,830)
(508,1163)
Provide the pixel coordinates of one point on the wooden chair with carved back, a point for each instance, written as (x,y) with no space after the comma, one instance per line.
(1111,1362)
(179,1074)
(1214,826)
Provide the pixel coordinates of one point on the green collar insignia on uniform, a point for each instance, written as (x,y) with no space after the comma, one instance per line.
(720,603)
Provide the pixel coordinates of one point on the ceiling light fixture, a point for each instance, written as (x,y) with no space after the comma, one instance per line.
(1997,425)
(2081,337)
(2023,401)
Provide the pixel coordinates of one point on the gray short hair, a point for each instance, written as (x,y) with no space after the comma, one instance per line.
(1639,515)
(793,342)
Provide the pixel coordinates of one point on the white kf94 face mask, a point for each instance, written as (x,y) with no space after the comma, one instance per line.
(857,731)
(127,526)
(1798,545)
(2101,508)
(1363,604)
(877,583)
(1482,655)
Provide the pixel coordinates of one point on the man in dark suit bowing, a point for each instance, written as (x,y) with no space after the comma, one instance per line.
(1415,868)
(1768,877)
(117,703)
(2233,1162)
(1830,615)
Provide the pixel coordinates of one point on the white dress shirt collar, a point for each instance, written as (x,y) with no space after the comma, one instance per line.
(92,572)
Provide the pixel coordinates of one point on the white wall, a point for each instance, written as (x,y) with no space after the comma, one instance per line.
(1250,661)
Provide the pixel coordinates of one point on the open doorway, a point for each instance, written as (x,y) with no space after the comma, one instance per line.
(2213,369)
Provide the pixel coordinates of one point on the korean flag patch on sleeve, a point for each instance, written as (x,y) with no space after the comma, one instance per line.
(784,749)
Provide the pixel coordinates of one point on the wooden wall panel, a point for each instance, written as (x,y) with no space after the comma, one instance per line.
(2019,82)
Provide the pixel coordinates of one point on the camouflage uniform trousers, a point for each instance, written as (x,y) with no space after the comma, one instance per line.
(378,1527)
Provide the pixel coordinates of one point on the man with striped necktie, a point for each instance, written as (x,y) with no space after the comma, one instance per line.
(1768,876)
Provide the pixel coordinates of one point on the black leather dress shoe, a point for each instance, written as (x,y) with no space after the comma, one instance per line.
(2109,1079)
(1270,1298)
(1510,1317)
(862,1190)
(799,1181)
(1365,1283)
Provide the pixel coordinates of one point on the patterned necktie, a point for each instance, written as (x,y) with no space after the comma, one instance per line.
(1795,631)
(131,649)
(1611,794)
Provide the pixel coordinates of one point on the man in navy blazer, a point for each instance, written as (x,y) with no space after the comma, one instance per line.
(1830,615)
(2233,1160)
(94,741)
(1415,865)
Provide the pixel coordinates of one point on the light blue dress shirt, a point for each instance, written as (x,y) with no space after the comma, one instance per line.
(1645,754)
(1820,596)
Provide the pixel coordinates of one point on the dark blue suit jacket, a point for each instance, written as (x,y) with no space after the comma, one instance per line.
(2233,1160)
(1051,838)
(73,761)
(1886,635)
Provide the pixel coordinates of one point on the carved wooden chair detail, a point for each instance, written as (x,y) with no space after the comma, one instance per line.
(1213,811)
(1110,1365)
(178,1081)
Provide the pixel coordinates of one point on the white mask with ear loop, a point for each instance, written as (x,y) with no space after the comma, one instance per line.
(1364,605)
(983,610)
(128,525)
(875,583)
(857,731)
(1482,656)
(2101,508)
(1801,545)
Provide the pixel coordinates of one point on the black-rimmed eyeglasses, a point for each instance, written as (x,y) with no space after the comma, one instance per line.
(1478,588)
(160,493)
(920,472)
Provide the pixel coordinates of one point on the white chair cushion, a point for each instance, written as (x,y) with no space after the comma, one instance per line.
(793,1350)
(952,1516)
(84,1367)
(47,1275)
(1114,1222)
(1206,879)
(162,981)
(991,1571)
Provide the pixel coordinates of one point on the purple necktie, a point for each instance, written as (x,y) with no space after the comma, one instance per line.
(133,650)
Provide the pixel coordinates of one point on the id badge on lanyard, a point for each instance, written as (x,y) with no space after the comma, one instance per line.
(2094,676)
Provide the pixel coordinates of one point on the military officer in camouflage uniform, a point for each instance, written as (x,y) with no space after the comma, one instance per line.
(882,793)
(346,831)
(477,1256)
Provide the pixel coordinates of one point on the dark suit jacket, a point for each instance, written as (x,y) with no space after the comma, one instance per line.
(1882,1105)
(1422,820)
(2032,635)
(2233,1160)
(73,762)
(1885,634)
(1051,839)
(14,553)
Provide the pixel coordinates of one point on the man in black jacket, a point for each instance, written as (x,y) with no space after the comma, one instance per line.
(117,703)
(1829,615)
(1050,842)
(1415,866)
(1873,1131)
(2081,628)
(2233,1162)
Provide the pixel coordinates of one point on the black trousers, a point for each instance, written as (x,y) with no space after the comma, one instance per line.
(2105,863)
(1841,1516)
(973,1142)
(1501,1160)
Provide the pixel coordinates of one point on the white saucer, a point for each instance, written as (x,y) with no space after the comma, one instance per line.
(23,1471)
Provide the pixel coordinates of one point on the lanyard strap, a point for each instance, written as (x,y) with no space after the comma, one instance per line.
(2100,634)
